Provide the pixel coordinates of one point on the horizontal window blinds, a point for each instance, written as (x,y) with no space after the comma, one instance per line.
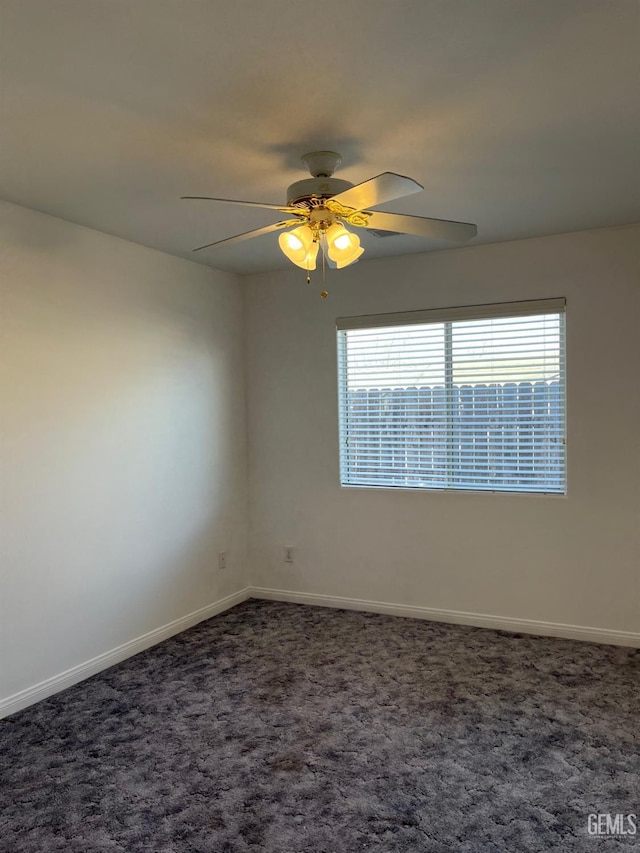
(475,401)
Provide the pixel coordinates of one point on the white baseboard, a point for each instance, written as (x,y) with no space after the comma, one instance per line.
(456,617)
(56,683)
(84,670)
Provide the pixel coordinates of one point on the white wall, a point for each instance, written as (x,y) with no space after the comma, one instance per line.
(123,443)
(572,560)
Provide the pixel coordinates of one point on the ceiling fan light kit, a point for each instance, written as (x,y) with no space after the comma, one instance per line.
(323,206)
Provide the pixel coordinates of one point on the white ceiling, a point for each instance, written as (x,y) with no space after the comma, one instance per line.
(519,115)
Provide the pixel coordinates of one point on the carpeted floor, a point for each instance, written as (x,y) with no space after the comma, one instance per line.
(291,729)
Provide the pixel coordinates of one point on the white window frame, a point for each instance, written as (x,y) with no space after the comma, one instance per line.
(460,313)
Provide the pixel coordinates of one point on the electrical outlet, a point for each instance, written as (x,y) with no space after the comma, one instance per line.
(288,554)
(222,560)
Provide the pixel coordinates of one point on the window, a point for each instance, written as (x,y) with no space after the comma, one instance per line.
(465,398)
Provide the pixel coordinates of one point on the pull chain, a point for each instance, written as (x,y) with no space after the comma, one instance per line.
(323,293)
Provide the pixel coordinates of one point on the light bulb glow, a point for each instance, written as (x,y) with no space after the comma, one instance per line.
(342,242)
(294,242)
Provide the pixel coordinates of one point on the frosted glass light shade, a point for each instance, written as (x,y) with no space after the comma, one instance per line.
(299,247)
(343,247)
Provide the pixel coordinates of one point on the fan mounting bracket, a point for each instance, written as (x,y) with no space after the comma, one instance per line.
(321,164)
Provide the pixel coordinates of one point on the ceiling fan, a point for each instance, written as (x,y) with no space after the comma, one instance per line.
(319,209)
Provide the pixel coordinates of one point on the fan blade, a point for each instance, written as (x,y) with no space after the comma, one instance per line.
(422,226)
(385,187)
(247,235)
(281,207)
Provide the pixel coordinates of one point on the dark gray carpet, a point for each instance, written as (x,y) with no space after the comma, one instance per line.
(290,729)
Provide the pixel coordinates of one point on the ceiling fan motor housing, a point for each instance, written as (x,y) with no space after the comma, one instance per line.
(316,188)
(322,165)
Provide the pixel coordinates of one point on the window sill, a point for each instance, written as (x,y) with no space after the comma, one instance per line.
(445,491)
